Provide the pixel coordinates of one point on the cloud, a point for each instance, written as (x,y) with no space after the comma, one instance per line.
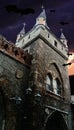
(13,26)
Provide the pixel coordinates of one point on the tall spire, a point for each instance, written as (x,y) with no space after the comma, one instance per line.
(63,38)
(41,19)
(22,33)
(43,14)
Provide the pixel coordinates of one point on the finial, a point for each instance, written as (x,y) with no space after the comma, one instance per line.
(24,24)
(42,7)
(61,30)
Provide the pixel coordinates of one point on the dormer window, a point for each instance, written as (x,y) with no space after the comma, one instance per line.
(49,82)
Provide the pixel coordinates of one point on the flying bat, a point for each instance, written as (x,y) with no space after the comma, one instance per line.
(52,10)
(67,64)
(15,9)
(69,54)
(64,23)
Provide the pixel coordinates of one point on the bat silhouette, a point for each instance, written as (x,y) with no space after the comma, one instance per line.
(69,54)
(52,10)
(64,23)
(15,9)
(67,64)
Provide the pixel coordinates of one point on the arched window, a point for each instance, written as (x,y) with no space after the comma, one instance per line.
(49,82)
(57,86)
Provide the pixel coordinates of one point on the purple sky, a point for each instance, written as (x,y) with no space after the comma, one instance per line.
(11,23)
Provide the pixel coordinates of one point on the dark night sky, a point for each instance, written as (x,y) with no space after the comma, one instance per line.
(12,23)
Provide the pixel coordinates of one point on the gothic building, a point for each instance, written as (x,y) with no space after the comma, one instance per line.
(34,82)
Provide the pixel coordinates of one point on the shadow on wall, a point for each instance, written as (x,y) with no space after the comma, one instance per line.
(56,122)
(71,78)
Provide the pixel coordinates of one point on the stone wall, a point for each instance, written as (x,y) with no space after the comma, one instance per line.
(45,60)
(31,110)
(14,76)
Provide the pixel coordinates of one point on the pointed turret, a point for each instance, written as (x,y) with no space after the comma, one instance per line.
(21,34)
(41,19)
(63,38)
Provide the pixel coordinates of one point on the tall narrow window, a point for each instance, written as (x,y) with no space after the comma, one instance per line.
(57,86)
(55,43)
(49,82)
(48,35)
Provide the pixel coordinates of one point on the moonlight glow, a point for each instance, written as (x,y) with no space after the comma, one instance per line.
(71,67)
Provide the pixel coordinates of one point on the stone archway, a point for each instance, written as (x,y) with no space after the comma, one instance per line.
(56,122)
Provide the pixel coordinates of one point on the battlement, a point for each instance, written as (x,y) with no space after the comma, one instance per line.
(15,52)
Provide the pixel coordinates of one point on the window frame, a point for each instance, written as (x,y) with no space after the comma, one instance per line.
(49,87)
(57,87)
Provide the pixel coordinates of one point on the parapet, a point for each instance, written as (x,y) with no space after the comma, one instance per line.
(17,53)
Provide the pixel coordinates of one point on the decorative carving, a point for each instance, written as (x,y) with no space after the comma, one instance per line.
(19,74)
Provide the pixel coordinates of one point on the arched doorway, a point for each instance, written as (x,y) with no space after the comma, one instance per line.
(56,122)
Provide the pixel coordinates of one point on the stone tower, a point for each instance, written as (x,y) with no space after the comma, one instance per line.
(34,83)
(48,79)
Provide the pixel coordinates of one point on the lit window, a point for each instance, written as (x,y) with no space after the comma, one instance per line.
(57,86)
(49,82)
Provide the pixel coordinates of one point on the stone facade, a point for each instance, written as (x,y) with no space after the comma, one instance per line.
(34,82)
(47,60)
(14,75)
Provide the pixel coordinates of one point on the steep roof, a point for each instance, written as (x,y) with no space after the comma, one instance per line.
(43,13)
